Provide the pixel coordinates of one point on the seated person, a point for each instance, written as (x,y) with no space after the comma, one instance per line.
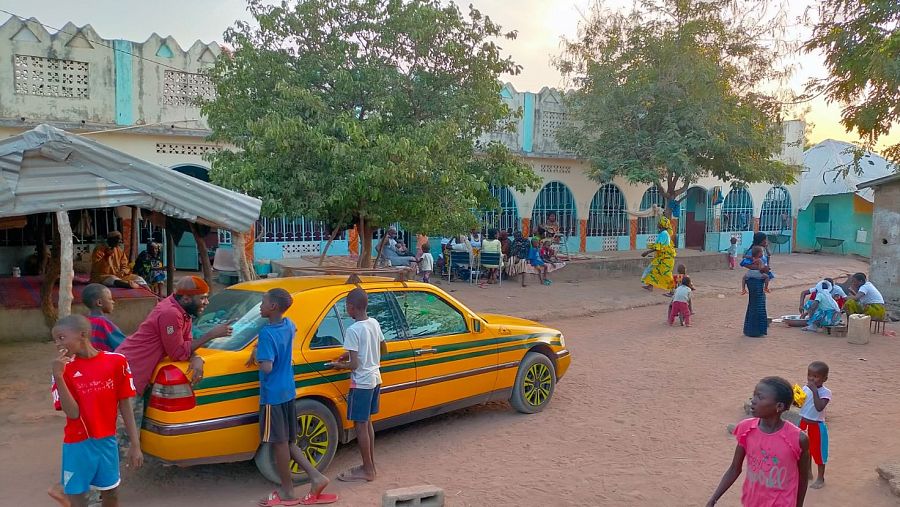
(836,292)
(537,262)
(109,265)
(866,299)
(475,238)
(396,252)
(492,246)
(550,227)
(822,309)
(149,266)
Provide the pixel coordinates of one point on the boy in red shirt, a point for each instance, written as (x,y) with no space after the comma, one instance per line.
(94,385)
(105,335)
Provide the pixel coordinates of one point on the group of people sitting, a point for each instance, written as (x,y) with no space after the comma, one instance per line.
(824,304)
(110,266)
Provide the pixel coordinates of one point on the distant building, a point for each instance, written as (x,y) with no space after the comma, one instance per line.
(885,264)
(834,215)
(139,97)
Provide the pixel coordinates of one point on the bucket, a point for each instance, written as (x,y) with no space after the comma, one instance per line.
(263,267)
(858,329)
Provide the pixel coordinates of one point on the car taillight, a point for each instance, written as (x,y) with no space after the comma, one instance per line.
(172,391)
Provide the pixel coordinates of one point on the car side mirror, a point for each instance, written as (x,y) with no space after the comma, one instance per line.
(476,324)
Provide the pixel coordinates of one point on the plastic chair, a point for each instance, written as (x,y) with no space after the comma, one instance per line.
(458,259)
(490,261)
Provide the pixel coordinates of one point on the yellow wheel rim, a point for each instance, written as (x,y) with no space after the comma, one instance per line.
(536,385)
(312,439)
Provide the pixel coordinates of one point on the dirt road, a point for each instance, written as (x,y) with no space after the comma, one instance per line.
(639,420)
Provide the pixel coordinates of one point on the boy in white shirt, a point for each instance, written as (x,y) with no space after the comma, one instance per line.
(364,343)
(812,417)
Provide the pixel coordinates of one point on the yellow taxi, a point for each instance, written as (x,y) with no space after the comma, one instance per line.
(441,357)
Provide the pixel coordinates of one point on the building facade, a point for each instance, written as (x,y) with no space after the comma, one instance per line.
(139,97)
(885,267)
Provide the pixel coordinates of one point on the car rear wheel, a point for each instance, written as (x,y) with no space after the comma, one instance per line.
(534,385)
(317,437)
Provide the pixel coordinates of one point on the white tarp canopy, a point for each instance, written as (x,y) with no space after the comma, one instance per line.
(48,170)
(824,161)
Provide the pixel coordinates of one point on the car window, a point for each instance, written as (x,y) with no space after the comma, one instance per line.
(380,309)
(429,315)
(329,333)
(240,306)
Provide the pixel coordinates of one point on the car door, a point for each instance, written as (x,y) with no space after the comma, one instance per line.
(398,373)
(451,362)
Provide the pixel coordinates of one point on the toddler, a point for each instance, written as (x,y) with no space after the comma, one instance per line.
(426,263)
(732,254)
(812,417)
(681,301)
(755,269)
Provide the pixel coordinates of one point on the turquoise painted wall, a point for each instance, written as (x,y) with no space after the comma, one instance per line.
(845,221)
(528,125)
(595,243)
(124,82)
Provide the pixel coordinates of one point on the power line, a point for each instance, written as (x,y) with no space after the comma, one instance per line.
(60,30)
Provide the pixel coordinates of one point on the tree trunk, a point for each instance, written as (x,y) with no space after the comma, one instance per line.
(135,234)
(170,263)
(205,265)
(66,269)
(51,275)
(365,244)
(380,248)
(334,234)
(240,257)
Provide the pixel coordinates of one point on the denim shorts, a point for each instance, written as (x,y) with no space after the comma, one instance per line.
(362,403)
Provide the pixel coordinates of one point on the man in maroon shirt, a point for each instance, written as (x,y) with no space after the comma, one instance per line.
(166,332)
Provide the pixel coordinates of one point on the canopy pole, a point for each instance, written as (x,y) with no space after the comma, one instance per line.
(170,262)
(134,248)
(205,265)
(66,269)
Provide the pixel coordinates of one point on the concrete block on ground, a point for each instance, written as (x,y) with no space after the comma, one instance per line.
(891,473)
(418,496)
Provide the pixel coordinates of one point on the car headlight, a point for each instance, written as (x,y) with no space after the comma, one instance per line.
(562,340)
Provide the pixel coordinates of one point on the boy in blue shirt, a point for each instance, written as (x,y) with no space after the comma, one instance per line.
(277,391)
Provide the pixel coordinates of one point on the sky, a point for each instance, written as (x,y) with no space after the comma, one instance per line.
(541,25)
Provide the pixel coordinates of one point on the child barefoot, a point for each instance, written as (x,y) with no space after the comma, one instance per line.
(426,263)
(755,268)
(777,452)
(732,254)
(678,276)
(681,301)
(537,262)
(812,417)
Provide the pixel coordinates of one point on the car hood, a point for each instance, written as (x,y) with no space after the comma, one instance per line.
(506,320)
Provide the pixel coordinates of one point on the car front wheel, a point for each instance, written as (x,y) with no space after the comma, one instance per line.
(317,438)
(534,385)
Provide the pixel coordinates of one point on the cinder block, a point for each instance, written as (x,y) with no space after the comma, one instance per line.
(418,496)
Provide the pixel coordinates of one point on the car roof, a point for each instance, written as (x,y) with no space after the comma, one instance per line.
(296,284)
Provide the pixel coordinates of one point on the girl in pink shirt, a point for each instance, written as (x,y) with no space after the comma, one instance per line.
(776,451)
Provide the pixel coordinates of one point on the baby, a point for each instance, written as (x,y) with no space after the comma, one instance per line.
(754,269)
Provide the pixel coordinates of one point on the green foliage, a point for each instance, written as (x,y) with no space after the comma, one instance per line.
(665,95)
(364,109)
(861,43)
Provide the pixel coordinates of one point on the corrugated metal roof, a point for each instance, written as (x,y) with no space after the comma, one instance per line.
(47,170)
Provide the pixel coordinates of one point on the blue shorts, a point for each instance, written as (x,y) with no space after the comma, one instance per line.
(362,403)
(90,463)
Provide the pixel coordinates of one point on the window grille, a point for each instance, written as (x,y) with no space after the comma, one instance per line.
(653,195)
(507,217)
(775,215)
(737,211)
(556,198)
(607,214)
(185,88)
(282,229)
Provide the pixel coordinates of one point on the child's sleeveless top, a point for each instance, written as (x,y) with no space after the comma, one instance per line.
(772,476)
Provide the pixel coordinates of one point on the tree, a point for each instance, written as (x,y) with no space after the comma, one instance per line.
(861,43)
(667,94)
(364,112)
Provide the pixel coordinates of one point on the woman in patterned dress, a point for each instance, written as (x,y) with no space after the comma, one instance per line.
(659,272)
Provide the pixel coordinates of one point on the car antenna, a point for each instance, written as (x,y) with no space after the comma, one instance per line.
(353,279)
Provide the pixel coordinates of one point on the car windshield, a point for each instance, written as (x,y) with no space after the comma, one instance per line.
(242,307)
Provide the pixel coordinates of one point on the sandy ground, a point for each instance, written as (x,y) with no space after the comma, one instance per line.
(639,419)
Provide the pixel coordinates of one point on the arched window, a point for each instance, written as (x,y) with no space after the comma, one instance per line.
(507,217)
(652,195)
(556,198)
(607,216)
(776,211)
(737,211)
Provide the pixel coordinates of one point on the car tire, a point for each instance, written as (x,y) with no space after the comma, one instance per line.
(319,446)
(535,383)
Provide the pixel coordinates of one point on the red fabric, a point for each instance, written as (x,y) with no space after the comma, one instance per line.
(25,292)
(165,332)
(97,384)
(682,308)
(732,261)
(815,440)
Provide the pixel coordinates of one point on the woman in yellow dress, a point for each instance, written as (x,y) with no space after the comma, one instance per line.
(659,272)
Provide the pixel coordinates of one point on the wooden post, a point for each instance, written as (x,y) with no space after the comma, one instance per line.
(205,265)
(170,263)
(135,234)
(66,269)
(334,234)
(51,275)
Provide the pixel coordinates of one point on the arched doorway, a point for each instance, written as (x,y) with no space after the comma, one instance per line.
(556,198)
(775,216)
(694,211)
(653,195)
(607,218)
(507,217)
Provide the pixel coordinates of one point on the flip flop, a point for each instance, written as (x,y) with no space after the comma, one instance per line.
(349,477)
(320,499)
(274,499)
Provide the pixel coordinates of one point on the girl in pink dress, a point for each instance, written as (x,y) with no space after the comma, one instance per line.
(776,451)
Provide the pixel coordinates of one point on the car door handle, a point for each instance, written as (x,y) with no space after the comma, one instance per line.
(420,352)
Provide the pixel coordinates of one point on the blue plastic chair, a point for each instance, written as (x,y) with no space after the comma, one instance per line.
(494,261)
